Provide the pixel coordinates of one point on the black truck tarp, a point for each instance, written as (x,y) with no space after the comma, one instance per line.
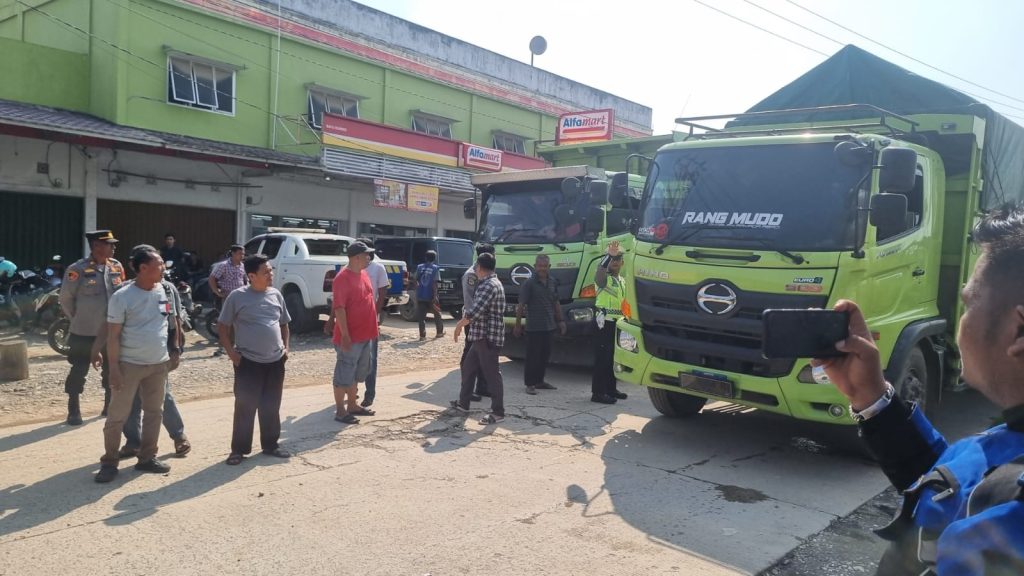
(855,76)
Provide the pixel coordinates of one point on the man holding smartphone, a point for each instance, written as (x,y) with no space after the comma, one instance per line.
(963,505)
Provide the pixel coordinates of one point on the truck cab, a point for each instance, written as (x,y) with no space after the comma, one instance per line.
(565,213)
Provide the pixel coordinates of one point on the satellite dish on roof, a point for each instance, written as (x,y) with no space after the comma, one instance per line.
(538,45)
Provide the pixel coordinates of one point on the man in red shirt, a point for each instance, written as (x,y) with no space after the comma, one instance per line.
(355,328)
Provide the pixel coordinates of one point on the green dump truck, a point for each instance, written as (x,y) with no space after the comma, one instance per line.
(567,214)
(803,201)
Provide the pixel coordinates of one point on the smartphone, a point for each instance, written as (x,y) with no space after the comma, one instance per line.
(804,333)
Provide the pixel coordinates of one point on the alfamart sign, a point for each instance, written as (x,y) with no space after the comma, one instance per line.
(473,156)
(590,126)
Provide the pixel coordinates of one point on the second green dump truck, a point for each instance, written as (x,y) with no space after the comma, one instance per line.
(800,203)
(567,214)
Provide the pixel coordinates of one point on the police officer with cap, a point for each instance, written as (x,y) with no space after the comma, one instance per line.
(87,286)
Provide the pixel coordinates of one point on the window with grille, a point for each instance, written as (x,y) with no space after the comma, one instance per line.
(432,125)
(200,85)
(509,143)
(321,101)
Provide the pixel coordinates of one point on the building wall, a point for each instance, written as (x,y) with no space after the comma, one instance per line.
(63,82)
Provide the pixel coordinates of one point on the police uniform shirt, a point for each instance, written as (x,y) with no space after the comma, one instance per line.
(85,292)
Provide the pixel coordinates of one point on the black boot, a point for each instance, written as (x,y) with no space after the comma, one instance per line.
(106,401)
(74,412)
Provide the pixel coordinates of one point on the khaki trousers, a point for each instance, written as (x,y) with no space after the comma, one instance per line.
(148,382)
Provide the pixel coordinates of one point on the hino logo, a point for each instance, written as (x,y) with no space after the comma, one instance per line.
(716,299)
(521,273)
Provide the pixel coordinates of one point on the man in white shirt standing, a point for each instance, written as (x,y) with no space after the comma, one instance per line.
(136,332)
(380,282)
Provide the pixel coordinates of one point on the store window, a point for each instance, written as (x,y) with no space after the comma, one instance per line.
(200,84)
(260,223)
(509,143)
(373,230)
(433,125)
(323,100)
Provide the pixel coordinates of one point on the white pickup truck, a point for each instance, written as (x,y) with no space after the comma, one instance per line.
(305,262)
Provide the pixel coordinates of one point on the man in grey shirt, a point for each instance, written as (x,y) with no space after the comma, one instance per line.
(137,323)
(258,318)
(469,282)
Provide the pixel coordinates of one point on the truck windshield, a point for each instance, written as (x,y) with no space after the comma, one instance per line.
(528,216)
(455,253)
(788,196)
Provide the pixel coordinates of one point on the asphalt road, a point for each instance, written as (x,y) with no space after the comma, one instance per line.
(563,486)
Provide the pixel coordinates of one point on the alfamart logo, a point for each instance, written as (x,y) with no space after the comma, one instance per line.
(480,157)
(590,126)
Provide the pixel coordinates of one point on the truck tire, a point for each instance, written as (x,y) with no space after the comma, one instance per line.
(913,383)
(302,319)
(675,404)
(408,311)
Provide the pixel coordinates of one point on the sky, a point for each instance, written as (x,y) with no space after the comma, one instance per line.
(696,57)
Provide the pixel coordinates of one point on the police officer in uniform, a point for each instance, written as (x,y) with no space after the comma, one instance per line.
(87,286)
(611,293)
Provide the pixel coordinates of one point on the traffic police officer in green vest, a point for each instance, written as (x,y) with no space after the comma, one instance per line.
(611,293)
(87,286)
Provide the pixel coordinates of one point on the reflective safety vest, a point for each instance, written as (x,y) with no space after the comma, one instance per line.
(611,297)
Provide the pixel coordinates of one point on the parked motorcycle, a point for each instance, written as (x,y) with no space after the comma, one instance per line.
(18,295)
(47,308)
(195,314)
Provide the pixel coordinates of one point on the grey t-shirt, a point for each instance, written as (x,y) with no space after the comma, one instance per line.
(256,318)
(143,316)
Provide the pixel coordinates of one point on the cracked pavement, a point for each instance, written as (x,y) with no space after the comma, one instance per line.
(562,486)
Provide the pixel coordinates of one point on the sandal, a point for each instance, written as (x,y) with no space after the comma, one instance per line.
(278,453)
(235,459)
(491,419)
(181,447)
(347,419)
(363,412)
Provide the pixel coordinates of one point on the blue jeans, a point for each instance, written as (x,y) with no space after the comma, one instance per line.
(371,379)
(172,420)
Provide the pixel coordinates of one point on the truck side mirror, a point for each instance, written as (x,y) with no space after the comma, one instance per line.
(469,208)
(898,170)
(889,211)
(598,192)
(619,190)
(853,154)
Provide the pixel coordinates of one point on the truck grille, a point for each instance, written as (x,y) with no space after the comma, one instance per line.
(675,329)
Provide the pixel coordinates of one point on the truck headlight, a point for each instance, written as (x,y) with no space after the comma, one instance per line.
(627,341)
(581,315)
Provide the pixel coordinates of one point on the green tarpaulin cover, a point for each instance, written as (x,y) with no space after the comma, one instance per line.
(855,76)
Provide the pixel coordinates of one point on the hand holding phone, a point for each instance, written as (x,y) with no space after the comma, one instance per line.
(804,333)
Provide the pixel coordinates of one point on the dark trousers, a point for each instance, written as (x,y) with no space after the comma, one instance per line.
(483,359)
(421,316)
(79,358)
(371,380)
(481,382)
(258,388)
(538,352)
(603,379)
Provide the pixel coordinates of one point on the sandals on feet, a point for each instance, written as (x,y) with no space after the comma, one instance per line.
(278,453)
(235,459)
(363,412)
(492,419)
(454,404)
(181,447)
(347,419)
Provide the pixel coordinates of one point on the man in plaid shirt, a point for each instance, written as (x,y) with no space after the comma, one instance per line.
(486,336)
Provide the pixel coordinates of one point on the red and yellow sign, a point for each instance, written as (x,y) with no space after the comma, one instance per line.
(422,198)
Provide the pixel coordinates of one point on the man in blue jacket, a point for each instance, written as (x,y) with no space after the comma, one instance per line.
(963,505)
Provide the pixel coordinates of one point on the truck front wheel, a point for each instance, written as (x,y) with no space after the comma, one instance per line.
(675,404)
(912,383)
(302,319)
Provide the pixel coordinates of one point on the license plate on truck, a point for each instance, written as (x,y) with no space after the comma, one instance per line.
(707,383)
